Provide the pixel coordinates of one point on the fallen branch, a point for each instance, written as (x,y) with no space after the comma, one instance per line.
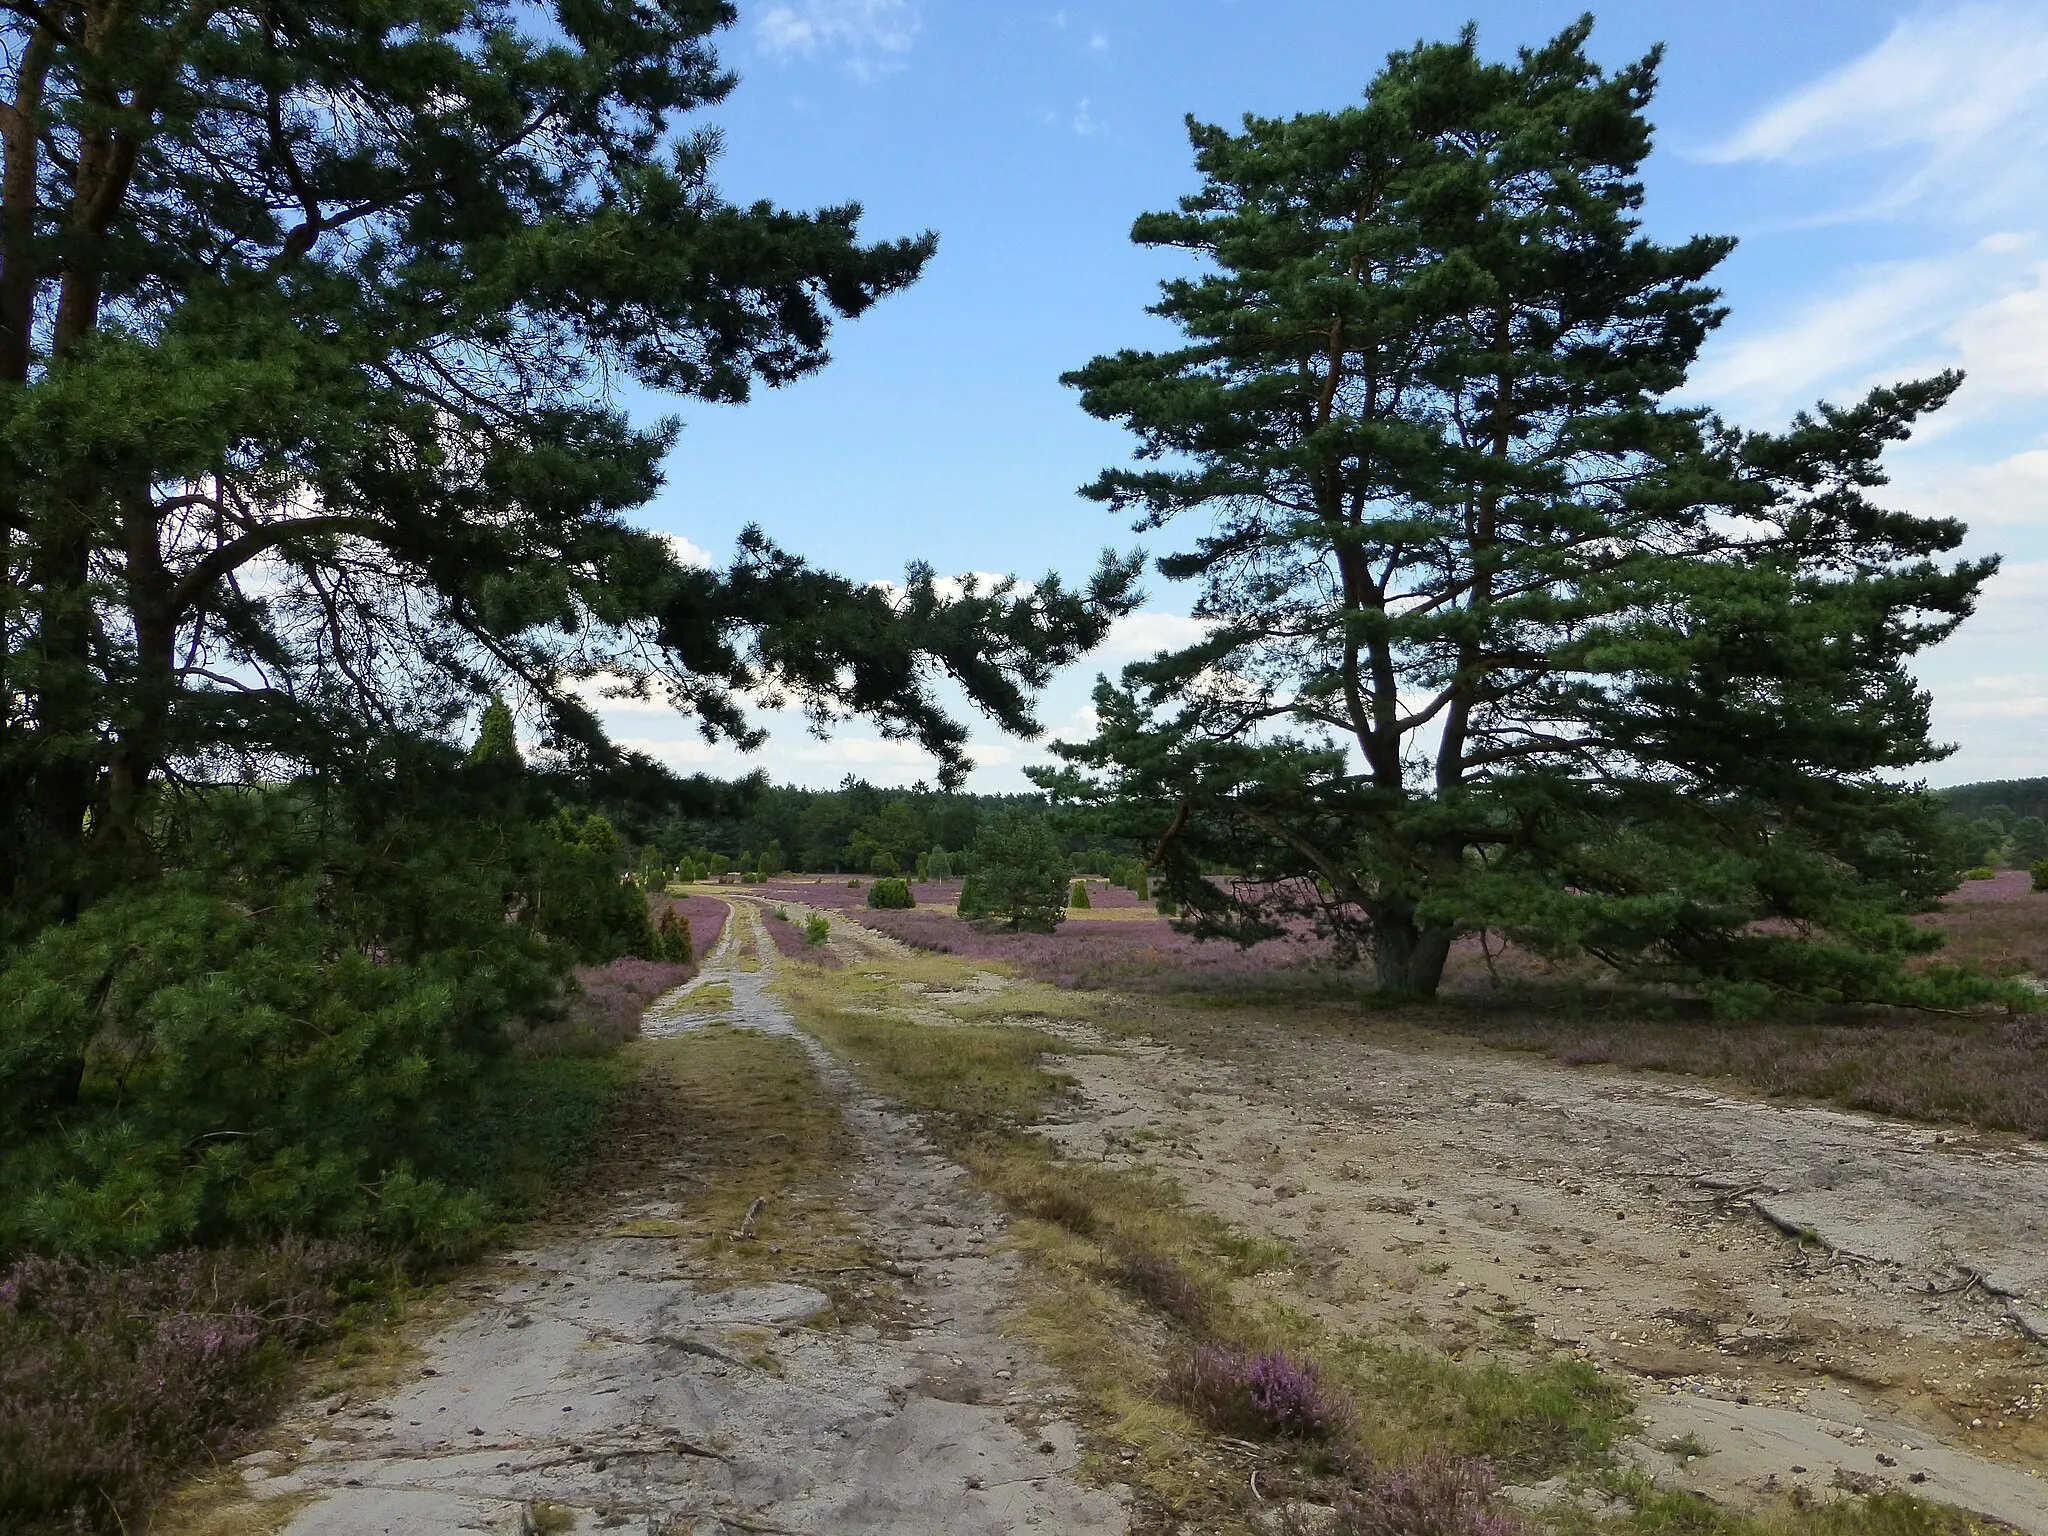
(745,1230)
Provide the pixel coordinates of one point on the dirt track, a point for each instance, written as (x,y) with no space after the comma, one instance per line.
(601,1382)
(1804,1298)
(1816,1298)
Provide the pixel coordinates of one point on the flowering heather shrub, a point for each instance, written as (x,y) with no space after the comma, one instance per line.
(796,943)
(1263,1392)
(1440,1495)
(113,1380)
(1585,1053)
(613,996)
(1139,955)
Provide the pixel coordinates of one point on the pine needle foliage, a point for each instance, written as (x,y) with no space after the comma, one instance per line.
(313,318)
(1498,636)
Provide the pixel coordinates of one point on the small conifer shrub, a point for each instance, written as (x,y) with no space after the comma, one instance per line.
(672,941)
(1079,899)
(893,894)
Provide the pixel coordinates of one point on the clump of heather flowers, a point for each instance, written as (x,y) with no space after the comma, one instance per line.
(114,1379)
(1439,1495)
(1261,1392)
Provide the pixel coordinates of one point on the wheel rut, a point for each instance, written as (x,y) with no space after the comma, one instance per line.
(596,1383)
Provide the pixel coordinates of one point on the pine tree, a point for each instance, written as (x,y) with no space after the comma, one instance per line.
(495,739)
(1499,637)
(1019,874)
(341,301)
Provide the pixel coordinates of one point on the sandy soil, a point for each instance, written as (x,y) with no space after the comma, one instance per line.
(1814,1298)
(598,1382)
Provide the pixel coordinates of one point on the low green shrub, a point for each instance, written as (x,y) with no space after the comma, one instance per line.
(1078,897)
(892,894)
(1981,872)
(817,929)
(304,1029)
(2039,871)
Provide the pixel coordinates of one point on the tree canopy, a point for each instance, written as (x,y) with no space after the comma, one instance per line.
(311,320)
(1499,637)
(1019,874)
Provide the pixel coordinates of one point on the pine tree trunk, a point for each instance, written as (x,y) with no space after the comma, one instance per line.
(1408,957)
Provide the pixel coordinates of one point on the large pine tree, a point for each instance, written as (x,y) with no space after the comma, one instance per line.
(311,316)
(1499,637)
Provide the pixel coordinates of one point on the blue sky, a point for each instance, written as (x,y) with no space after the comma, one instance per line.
(1882,164)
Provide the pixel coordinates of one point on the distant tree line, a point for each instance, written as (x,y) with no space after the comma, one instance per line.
(856,829)
(2002,822)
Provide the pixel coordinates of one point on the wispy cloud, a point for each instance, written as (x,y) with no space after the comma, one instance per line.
(1990,683)
(1838,336)
(1983,309)
(2009,493)
(1947,109)
(867,37)
(1085,122)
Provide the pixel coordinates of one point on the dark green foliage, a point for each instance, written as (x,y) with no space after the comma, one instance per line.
(2003,800)
(495,740)
(2038,871)
(892,894)
(341,302)
(1500,639)
(1078,897)
(817,929)
(301,1027)
(1019,874)
(672,941)
(2027,843)
(938,865)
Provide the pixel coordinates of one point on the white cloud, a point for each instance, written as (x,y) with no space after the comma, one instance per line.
(1086,124)
(1842,333)
(688,551)
(1098,41)
(1941,81)
(1146,633)
(1990,682)
(866,35)
(1951,106)
(1983,309)
(2011,493)
(2003,344)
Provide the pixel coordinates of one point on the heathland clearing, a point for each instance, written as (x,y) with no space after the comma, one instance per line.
(1804,1299)
(1623,1290)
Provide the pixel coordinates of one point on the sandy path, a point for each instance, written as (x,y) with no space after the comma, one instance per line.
(1479,1197)
(595,1383)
